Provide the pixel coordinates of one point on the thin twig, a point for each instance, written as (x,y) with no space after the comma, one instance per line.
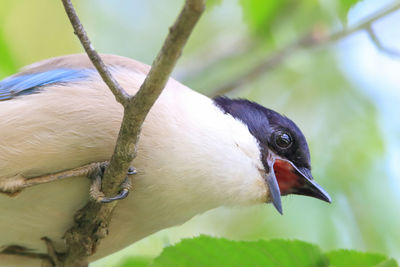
(378,44)
(364,24)
(309,40)
(212,55)
(27,253)
(91,222)
(264,66)
(83,171)
(120,94)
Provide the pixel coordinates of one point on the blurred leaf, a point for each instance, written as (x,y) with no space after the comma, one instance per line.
(207,251)
(136,262)
(388,263)
(344,7)
(352,258)
(260,14)
(33,34)
(212,3)
(264,16)
(7,63)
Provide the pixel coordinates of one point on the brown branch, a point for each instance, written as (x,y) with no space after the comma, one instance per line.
(309,40)
(91,222)
(120,94)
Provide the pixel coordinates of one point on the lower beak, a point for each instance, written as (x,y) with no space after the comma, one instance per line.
(305,184)
(274,191)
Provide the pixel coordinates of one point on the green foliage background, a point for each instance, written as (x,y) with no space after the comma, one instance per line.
(212,252)
(340,121)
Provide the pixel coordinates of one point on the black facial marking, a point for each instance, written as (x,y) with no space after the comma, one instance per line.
(270,128)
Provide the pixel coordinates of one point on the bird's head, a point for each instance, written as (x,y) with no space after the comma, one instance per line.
(283,150)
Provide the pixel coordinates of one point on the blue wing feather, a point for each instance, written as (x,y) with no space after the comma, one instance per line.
(31,83)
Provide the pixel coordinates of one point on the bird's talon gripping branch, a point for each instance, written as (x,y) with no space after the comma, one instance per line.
(97,195)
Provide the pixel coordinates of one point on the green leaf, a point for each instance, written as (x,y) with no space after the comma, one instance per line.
(344,7)
(260,14)
(7,63)
(135,262)
(388,263)
(265,17)
(212,3)
(352,258)
(207,251)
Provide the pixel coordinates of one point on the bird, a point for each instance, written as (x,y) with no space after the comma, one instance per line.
(194,154)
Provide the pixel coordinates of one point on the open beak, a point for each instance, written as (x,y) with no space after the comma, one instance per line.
(274,190)
(285,178)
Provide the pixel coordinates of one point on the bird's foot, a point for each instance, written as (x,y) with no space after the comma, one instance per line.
(55,257)
(95,189)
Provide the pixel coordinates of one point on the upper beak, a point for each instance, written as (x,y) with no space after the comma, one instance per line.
(310,187)
(305,184)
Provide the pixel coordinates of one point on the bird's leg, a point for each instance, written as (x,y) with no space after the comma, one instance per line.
(95,189)
(52,253)
(16,184)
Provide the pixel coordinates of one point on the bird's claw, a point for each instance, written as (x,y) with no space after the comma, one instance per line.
(125,188)
(95,189)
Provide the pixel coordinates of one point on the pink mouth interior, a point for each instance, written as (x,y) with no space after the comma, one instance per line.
(286,176)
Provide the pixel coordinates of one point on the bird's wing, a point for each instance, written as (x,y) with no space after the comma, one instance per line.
(59,70)
(24,84)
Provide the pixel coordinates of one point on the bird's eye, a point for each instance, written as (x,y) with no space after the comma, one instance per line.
(283,140)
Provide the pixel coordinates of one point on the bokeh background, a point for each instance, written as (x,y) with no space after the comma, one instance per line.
(344,95)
